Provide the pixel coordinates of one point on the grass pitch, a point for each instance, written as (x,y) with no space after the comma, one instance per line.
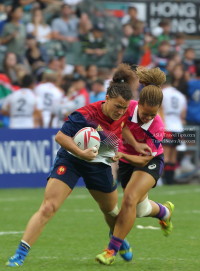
(77,233)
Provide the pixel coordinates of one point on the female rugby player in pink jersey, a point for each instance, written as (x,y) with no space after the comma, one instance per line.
(109,117)
(147,127)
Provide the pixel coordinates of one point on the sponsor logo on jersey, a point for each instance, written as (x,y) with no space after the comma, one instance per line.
(152,166)
(61,170)
(99,128)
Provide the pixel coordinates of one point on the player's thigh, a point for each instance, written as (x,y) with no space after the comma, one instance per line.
(99,177)
(62,179)
(55,193)
(106,201)
(143,198)
(138,186)
(101,185)
(114,167)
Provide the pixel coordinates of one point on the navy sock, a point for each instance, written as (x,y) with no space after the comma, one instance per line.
(23,249)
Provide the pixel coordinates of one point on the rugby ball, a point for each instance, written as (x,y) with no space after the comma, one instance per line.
(87,138)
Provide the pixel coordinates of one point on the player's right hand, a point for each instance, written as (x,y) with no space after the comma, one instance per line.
(89,154)
(143,149)
(117,156)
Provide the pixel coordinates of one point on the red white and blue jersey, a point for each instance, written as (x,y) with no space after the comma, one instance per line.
(92,116)
(151,133)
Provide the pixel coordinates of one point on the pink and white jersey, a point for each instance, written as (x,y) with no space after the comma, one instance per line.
(151,133)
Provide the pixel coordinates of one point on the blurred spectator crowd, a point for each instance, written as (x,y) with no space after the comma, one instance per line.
(66,52)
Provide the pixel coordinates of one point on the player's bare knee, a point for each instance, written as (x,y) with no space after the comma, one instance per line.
(48,209)
(129,201)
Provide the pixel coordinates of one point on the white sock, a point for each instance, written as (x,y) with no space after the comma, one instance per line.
(167,215)
(25,243)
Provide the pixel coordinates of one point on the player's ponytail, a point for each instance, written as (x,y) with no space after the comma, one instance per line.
(122,83)
(153,79)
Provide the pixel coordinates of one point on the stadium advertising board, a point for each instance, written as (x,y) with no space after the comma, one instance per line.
(26,157)
(184,16)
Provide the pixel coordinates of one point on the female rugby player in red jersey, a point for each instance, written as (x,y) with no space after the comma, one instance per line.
(108,117)
(146,126)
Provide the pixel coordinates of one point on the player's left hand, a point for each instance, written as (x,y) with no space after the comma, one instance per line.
(118,156)
(143,149)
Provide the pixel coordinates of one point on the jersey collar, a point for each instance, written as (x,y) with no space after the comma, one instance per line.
(134,119)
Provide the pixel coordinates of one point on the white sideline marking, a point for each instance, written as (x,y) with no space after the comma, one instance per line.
(192,211)
(74,259)
(79,197)
(159,259)
(89,258)
(78,210)
(10,232)
(147,227)
(196,211)
(47,257)
(82,259)
(14,199)
(197,190)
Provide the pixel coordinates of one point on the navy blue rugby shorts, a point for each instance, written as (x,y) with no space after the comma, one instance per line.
(69,169)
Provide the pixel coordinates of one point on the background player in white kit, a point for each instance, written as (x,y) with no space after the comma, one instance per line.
(23,107)
(65,106)
(59,108)
(48,93)
(174,108)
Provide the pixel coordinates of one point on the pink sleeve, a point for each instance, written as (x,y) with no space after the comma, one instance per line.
(155,141)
